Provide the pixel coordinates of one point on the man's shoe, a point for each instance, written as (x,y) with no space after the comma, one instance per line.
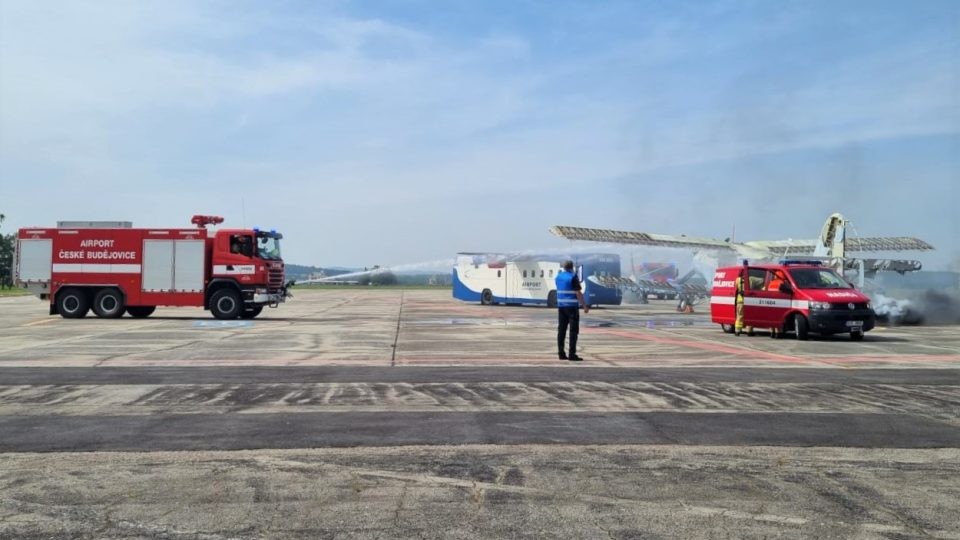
(575,358)
(563,356)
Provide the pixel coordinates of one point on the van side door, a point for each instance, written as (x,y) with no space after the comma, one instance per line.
(765,306)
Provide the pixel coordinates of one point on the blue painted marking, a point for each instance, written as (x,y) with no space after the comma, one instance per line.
(461,291)
(222,324)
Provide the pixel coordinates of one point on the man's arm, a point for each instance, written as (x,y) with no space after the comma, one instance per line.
(577,287)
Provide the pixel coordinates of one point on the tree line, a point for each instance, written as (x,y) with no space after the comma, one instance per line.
(6,256)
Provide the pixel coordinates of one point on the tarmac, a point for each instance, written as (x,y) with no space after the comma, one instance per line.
(389,413)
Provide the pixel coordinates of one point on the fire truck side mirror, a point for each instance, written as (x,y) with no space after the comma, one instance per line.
(786,288)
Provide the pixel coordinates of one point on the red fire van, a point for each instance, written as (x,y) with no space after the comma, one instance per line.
(793,296)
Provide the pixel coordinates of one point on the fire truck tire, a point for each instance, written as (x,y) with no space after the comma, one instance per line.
(552,299)
(140,312)
(727,328)
(108,304)
(800,327)
(250,313)
(486,297)
(73,304)
(225,304)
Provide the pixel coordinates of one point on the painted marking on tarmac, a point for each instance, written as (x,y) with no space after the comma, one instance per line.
(41,321)
(222,324)
(697,345)
(945,358)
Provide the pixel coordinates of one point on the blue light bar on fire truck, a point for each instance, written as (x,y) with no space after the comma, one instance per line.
(272,234)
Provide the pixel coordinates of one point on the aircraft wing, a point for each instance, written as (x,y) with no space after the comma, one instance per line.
(612,236)
(859,244)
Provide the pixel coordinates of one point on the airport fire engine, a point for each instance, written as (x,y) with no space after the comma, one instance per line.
(113,268)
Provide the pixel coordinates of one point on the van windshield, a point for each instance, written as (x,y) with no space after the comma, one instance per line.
(817,278)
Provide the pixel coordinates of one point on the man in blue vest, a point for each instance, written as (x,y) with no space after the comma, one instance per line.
(569,301)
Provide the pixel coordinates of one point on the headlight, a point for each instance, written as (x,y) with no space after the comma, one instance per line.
(869,305)
(819,305)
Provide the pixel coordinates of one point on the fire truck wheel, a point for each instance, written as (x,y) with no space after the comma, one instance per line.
(73,304)
(856,335)
(486,297)
(108,304)
(250,313)
(139,312)
(225,304)
(727,328)
(800,327)
(552,299)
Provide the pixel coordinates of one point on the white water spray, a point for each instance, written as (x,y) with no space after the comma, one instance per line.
(439,265)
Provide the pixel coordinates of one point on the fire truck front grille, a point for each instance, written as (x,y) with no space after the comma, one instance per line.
(275,278)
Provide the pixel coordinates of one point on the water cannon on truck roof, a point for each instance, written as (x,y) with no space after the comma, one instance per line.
(202,221)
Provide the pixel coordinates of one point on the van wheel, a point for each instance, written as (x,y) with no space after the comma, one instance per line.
(552,299)
(486,297)
(108,304)
(225,304)
(140,312)
(856,335)
(73,304)
(800,327)
(250,313)
(727,328)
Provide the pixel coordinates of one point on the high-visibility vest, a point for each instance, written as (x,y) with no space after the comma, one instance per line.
(566,294)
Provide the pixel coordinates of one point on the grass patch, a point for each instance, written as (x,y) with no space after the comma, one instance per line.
(14,292)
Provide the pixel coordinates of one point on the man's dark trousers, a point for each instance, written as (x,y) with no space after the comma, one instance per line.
(568,316)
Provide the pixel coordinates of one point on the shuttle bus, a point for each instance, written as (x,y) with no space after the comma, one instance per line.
(497,278)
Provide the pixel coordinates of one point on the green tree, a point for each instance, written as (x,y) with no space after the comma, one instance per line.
(6,257)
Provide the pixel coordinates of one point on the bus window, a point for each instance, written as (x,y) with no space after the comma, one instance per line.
(551,273)
(541,273)
(498,273)
(524,273)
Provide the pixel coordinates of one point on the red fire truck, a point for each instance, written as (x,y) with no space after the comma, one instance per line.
(113,268)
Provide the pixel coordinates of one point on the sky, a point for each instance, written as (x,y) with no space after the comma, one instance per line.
(393,132)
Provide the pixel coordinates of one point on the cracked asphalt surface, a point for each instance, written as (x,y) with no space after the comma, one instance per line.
(406,414)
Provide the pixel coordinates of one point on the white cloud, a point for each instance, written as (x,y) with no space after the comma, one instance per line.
(323,113)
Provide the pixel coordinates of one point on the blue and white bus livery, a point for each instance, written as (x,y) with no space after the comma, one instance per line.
(497,278)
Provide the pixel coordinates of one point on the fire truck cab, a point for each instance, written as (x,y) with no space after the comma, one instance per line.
(113,268)
(792,296)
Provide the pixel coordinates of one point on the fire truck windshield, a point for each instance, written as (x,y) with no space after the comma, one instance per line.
(268,248)
(817,278)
